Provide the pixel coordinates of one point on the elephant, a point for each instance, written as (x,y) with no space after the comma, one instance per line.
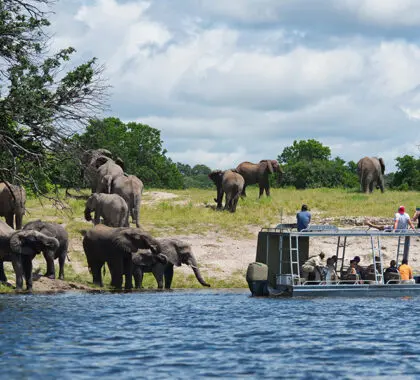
(114,246)
(176,252)
(20,247)
(91,160)
(106,167)
(371,173)
(131,189)
(59,232)
(228,182)
(12,203)
(89,170)
(258,173)
(111,207)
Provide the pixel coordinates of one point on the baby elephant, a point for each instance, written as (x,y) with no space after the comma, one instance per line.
(175,252)
(111,207)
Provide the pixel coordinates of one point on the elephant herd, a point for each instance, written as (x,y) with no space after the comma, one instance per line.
(128,252)
(232,183)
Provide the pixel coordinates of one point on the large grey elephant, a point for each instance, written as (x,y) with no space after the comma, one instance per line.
(176,252)
(371,173)
(230,183)
(12,203)
(111,207)
(130,188)
(115,246)
(258,173)
(20,247)
(59,232)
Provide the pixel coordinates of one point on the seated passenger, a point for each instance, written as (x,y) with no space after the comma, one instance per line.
(391,273)
(361,272)
(406,272)
(331,274)
(314,265)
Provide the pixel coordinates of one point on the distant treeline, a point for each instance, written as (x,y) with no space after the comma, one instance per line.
(306,163)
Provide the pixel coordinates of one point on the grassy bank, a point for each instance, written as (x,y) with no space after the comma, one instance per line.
(192,211)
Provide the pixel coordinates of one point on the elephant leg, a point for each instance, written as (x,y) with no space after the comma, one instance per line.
(234,203)
(3,277)
(371,186)
(381,185)
(169,274)
(157,271)
(61,261)
(116,269)
(97,218)
(261,191)
(96,274)
(17,267)
(9,219)
(243,194)
(128,272)
(27,270)
(50,273)
(138,276)
(267,190)
(228,204)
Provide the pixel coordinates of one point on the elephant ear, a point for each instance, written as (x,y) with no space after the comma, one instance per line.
(132,239)
(216,176)
(29,242)
(381,161)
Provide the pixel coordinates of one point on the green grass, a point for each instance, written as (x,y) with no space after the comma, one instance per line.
(193,211)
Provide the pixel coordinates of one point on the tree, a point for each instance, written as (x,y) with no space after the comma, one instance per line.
(40,103)
(407,176)
(307,164)
(304,150)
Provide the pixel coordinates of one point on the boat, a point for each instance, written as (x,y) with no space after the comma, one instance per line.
(281,252)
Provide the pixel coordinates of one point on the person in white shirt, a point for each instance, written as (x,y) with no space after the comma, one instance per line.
(402,220)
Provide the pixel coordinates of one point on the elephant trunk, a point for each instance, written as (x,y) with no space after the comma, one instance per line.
(18,218)
(193,264)
(88,216)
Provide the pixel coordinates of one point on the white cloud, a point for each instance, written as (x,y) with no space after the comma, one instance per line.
(222,95)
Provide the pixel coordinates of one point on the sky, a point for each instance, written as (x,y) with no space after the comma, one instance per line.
(240,80)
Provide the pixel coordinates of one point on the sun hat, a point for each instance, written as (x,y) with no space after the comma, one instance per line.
(401,209)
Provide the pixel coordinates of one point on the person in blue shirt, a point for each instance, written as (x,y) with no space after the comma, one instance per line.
(303,218)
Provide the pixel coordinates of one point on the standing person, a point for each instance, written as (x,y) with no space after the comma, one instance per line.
(406,272)
(417,216)
(402,220)
(303,218)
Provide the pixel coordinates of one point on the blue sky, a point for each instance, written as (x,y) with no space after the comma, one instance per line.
(229,81)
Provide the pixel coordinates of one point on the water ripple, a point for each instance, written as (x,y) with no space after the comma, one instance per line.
(206,334)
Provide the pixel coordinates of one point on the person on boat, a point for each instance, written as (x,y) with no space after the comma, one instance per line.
(331,274)
(406,272)
(303,218)
(402,220)
(314,265)
(391,273)
(416,217)
(371,268)
(361,272)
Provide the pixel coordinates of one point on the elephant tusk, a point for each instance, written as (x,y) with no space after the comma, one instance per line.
(194,267)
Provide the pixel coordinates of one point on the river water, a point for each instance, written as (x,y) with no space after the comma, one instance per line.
(206,334)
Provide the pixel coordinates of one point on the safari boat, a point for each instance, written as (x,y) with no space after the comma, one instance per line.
(281,252)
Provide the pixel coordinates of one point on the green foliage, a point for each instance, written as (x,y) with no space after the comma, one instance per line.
(40,103)
(307,164)
(407,176)
(196,177)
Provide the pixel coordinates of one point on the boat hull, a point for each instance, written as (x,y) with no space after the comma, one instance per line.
(347,290)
